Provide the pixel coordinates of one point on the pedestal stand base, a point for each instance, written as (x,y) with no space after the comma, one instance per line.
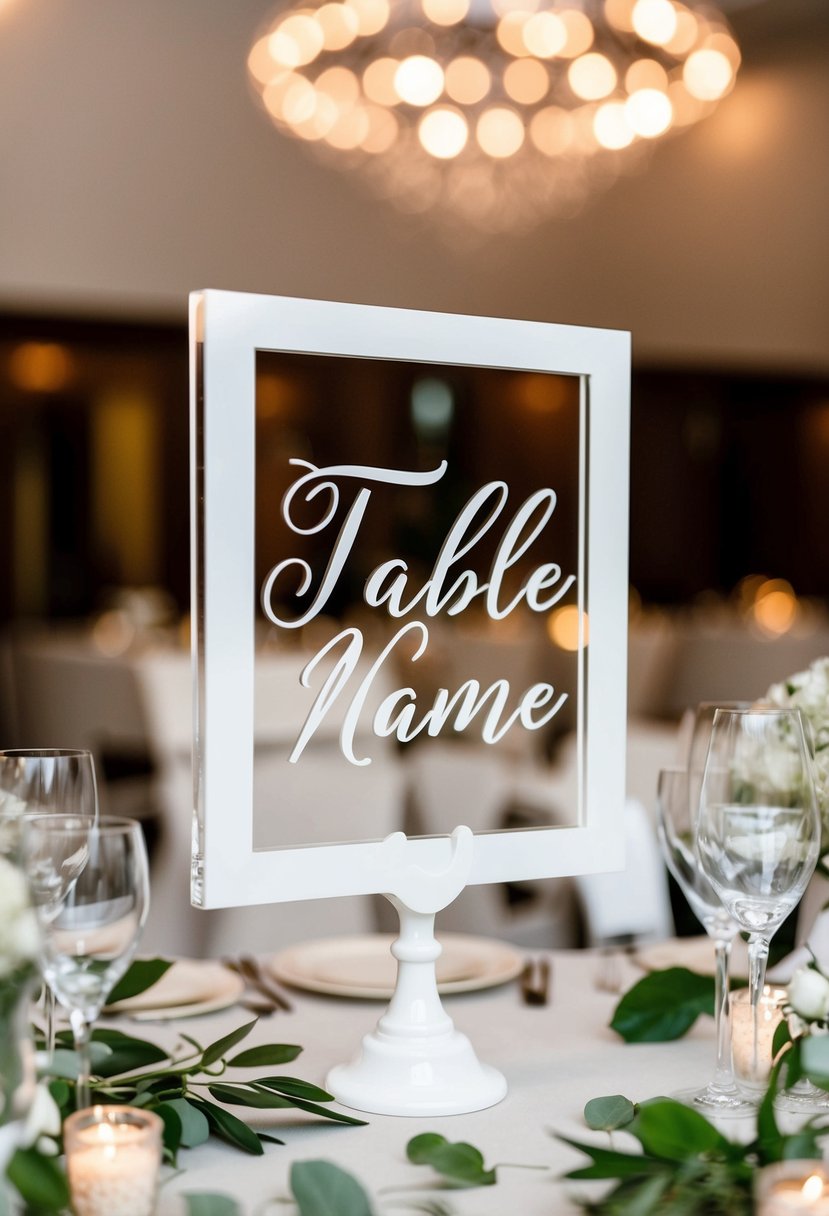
(419,1077)
(415,1062)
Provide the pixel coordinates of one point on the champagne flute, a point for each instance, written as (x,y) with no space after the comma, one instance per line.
(759,829)
(47,781)
(676,828)
(92,898)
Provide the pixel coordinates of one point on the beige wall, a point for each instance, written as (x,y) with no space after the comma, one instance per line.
(135,166)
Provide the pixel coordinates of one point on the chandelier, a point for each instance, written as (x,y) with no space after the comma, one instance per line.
(491,114)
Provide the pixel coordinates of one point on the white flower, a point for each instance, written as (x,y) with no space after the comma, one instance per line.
(809,994)
(43,1118)
(18,925)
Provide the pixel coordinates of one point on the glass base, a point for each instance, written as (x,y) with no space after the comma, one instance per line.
(713,1100)
(803,1099)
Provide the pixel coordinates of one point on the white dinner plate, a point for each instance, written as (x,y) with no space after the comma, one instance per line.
(695,953)
(189,988)
(364,966)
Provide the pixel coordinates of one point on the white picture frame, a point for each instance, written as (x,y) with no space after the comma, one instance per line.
(227,330)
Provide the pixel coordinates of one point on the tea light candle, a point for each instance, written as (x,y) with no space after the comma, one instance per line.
(769,1015)
(113,1155)
(792,1187)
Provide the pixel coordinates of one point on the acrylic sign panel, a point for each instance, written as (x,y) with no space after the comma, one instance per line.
(402,523)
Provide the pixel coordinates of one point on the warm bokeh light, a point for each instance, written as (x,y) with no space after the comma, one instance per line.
(500,132)
(646,74)
(445,12)
(686,32)
(545,34)
(707,74)
(382,130)
(260,61)
(296,41)
(580,32)
(372,15)
(563,627)
(649,112)
(40,367)
(339,24)
(510,32)
(443,132)
(467,80)
(775,607)
(551,130)
(526,81)
(611,126)
(341,85)
(378,81)
(654,21)
(592,76)
(419,80)
(620,13)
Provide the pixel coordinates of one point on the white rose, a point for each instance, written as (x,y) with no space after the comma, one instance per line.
(43,1118)
(809,994)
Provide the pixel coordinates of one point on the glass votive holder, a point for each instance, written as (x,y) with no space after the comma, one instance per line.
(753,1074)
(792,1186)
(113,1154)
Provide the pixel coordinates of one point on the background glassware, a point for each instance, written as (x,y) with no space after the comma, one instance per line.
(758,829)
(676,828)
(47,781)
(703,722)
(91,927)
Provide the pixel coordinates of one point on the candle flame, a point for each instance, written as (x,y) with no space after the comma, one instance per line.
(812,1188)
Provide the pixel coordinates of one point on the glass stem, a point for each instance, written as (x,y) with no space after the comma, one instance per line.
(81,1030)
(48,1020)
(758,953)
(722,1013)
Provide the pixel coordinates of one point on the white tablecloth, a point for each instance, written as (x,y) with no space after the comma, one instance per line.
(555,1058)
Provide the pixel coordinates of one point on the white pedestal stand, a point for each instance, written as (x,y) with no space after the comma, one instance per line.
(415,1062)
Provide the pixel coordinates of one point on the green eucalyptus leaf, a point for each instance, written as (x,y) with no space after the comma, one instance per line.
(802,1145)
(337,1116)
(674,1132)
(459,1164)
(266,1055)
(608,1163)
(420,1148)
(206,1203)
(126,1052)
(814,1057)
(60,1092)
(40,1180)
(241,1095)
(663,1006)
(782,1036)
(171,1134)
(227,1127)
(217,1050)
(268,1138)
(323,1189)
(295,1088)
(194,1126)
(608,1114)
(138,977)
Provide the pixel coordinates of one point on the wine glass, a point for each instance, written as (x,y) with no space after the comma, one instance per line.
(47,781)
(676,828)
(698,745)
(92,898)
(758,829)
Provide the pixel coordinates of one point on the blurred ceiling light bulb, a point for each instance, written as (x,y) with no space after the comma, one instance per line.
(372,15)
(339,24)
(545,35)
(649,112)
(707,74)
(419,80)
(592,76)
(563,627)
(646,74)
(620,14)
(445,12)
(611,126)
(500,132)
(580,32)
(510,32)
(467,79)
(296,40)
(526,81)
(443,132)
(378,81)
(654,21)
